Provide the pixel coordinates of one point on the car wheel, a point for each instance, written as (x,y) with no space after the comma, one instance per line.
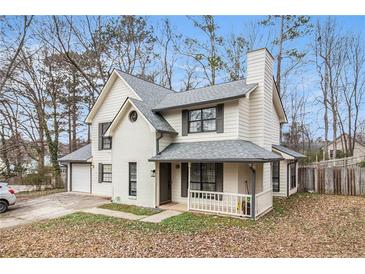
(3,206)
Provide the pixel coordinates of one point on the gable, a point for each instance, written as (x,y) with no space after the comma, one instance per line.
(115,91)
(126,108)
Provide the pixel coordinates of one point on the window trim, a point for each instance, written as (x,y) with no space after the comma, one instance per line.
(131,181)
(102,173)
(105,137)
(278,177)
(201,120)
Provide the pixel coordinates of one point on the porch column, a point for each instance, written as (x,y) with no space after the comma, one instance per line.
(189,166)
(253,192)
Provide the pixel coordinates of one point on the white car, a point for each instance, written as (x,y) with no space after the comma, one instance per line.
(7,197)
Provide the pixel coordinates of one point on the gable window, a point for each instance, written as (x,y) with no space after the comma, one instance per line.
(293,175)
(106,173)
(276,176)
(202,120)
(203,177)
(104,142)
(132,179)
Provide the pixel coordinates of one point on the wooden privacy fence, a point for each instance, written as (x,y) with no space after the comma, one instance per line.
(332,180)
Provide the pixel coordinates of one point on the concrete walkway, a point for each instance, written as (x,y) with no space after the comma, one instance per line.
(159,217)
(155,218)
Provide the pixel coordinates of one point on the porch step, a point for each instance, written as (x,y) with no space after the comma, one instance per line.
(159,217)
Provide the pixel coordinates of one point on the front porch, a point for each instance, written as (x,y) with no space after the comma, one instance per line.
(242,188)
(222,177)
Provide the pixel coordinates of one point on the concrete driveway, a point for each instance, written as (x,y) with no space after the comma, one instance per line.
(50,206)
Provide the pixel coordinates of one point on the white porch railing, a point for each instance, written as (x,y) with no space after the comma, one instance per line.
(263,202)
(220,202)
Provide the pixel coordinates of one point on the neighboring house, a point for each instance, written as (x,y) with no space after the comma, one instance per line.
(359,148)
(210,148)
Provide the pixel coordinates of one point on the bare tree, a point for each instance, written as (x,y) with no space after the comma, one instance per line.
(206,53)
(352,90)
(329,53)
(290,28)
(236,48)
(169,43)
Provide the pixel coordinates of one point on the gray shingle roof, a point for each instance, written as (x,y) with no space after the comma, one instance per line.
(151,94)
(211,94)
(80,155)
(155,97)
(216,151)
(156,120)
(288,151)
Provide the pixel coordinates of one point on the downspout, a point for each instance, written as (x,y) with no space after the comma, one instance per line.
(253,191)
(158,143)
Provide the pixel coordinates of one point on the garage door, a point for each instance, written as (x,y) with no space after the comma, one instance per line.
(80,178)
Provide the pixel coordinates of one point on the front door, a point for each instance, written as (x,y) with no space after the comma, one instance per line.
(165,183)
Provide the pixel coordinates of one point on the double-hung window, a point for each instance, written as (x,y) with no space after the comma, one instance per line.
(106,173)
(132,179)
(293,175)
(276,176)
(202,120)
(106,142)
(203,177)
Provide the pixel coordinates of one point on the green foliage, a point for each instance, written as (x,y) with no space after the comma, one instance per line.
(293,26)
(43,177)
(361,164)
(137,210)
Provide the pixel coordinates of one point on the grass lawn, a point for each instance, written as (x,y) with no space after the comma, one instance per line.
(305,225)
(137,210)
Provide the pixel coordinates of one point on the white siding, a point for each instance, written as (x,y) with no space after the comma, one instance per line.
(230,177)
(275,127)
(294,190)
(133,142)
(283,179)
(110,107)
(260,71)
(174,118)
(244,118)
(165,141)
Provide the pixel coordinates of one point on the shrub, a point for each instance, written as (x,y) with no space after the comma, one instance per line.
(43,177)
(361,164)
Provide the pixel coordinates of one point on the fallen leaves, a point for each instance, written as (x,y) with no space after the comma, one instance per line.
(306,225)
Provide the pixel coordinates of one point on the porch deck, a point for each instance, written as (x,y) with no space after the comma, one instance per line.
(174,206)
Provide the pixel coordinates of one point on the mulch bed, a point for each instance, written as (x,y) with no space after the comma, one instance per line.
(306,225)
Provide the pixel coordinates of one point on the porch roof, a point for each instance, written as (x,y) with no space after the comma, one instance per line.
(288,151)
(81,155)
(216,151)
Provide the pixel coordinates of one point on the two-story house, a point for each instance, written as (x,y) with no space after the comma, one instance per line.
(214,149)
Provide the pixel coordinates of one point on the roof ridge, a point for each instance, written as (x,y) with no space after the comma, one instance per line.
(175,91)
(148,81)
(227,82)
